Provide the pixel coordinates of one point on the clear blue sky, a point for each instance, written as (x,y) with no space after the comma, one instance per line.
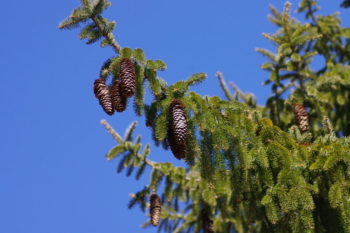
(53,174)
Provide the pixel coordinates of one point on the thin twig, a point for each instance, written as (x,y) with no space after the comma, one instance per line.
(239,93)
(224,86)
(108,35)
(237,90)
(110,130)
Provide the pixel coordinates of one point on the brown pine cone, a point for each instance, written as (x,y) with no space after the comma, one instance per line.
(118,100)
(155,209)
(179,123)
(301,117)
(128,77)
(103,95)
(179,149)
(178,131)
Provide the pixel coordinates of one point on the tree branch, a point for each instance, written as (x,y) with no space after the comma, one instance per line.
(108,35)
(224,86)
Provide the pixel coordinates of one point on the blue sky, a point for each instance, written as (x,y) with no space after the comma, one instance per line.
(53,174)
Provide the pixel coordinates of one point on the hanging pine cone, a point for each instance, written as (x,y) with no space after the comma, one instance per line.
(128,77)
(207,224)
(179,120)
(155,209)
(118,100)
(179,149)
(103,95)
(301,117)
(177,132)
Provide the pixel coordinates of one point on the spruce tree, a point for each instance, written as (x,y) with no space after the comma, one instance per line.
(282,167)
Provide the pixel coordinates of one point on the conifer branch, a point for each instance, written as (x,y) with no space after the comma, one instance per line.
(146,161)
(223,86)
(239,163)
(311,12)
(286,18)
(110,130)
(338,43)
(120,140)
(248,98)
(237,90)
(108,35)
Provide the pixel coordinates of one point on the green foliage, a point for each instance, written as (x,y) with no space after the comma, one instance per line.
(291,68)
(249,167)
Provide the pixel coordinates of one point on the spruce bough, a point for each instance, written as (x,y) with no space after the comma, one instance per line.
(282,167)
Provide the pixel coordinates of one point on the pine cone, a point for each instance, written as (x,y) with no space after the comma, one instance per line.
(177,132)
(179,149)
(103,95)
(301,117)
(118,100)
(128,77)
(207,224)
(155,209)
